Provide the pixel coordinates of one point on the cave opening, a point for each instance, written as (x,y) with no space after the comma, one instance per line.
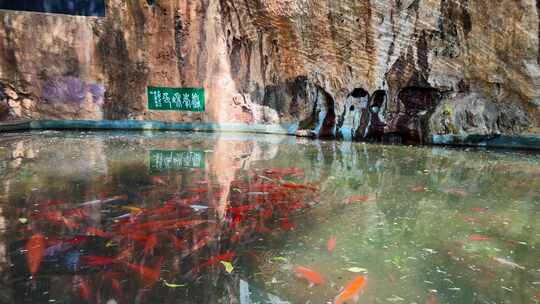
(329,123)
(359,93)
(411,122)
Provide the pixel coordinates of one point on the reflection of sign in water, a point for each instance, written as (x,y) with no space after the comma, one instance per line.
(176,99)
(161,160)
(70,7)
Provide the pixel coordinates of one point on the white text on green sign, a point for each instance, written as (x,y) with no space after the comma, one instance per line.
(176,99)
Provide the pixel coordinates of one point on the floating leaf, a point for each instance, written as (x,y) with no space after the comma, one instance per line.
(357,269)
(171,285)
(228,266)
(109,244)
(279,259)
(23,220)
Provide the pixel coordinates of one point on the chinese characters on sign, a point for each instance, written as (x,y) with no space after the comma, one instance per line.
(163,161)
(176,99)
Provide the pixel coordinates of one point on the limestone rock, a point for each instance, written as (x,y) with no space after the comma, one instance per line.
(366,70)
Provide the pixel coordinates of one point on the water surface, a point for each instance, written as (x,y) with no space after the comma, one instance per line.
(227,218)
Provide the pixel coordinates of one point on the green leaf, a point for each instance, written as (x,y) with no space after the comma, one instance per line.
(173,285)
(279,259)
(357,269)
(228,266)
(23,220)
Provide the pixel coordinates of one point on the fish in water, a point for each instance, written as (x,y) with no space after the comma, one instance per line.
(148,275)
(432,299)
(506,262)
(352,291)
(478,237)
(479,209)
(35,247)
(417,188)
(331,245)
(359,199)
(313,277)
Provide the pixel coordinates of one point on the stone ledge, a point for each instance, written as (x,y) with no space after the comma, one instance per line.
(529,142)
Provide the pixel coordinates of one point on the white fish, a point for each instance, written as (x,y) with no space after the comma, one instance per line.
(508,263)
(198,207)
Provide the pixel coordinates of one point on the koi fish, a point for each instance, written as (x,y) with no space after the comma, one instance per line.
(313,277)
(150,244)
(417,189)
(331,244)
(35,247)
(227,257)
(84,290)
(157,180)
(457,192)
(358,199)
(299,186)
(286,225)
(148,275)
(96,261)
(96,232)
(478,237)
(432,299)
(478,209)
(506,262)
(104,201)
(352,290)
(56,217)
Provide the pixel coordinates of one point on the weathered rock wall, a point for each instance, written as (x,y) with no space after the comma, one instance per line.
(396,70)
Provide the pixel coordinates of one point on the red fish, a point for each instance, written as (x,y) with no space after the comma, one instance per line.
(84,290)
(299,186)
(313,277)
(417,188)
(35,247)
(286,225)
(148,275)
(478,237)
(158,180)
(358,199)
(96,232)
(95,261)
(150,244)
(352,290)
(432,299)
(57,217)
(226,257)
(457,192)
(478,209)
(331,245)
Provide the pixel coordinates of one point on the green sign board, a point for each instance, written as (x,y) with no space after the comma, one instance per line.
(165,160)
(176,99)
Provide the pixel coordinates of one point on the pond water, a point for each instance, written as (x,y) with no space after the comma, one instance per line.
(228,218)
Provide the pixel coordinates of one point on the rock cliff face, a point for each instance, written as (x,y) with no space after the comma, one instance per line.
(397,70)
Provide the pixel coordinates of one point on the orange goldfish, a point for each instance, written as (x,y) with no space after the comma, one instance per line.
(150,244)
(352,290)
(331,245)
(417,189)
(358,199)
(313,277)
(35,248)
(148,275)
(479,237)
(432,299)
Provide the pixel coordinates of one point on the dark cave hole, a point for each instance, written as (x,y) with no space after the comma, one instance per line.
(378,98)
(351,108)
(329,122)
(359,93)
(417,99)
